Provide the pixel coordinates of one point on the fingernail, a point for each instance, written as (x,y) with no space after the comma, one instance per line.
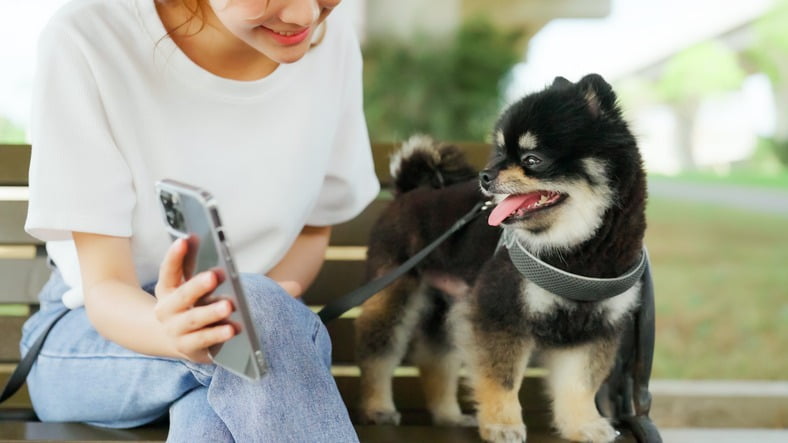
(207,277)
(221,307)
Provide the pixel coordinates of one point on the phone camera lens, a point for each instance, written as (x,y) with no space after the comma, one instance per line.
(171,212)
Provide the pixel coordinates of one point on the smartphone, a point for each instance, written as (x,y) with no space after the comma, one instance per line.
(191,213)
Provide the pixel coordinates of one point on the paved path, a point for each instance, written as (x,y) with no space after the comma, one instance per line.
(724,435)
(765,200)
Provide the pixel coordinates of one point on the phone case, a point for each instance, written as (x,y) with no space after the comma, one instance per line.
(191,213)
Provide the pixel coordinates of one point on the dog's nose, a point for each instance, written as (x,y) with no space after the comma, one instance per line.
(486,177)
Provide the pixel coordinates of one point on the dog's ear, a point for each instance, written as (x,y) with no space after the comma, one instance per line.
(598,94)
(561,83)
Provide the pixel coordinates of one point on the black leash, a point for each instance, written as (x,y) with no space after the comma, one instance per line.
(19,375)
(328,313)
(358,296)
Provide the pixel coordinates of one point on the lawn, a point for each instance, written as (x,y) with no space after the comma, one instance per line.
(721,285)
(742,178)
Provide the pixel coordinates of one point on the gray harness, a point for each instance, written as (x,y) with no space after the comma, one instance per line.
(572,286)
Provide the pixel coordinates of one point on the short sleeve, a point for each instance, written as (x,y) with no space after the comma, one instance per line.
(78,180)
(350,183)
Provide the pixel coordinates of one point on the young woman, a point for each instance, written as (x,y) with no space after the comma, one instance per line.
(257,101)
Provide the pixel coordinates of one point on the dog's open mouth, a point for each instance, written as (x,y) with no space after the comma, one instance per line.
(520,206)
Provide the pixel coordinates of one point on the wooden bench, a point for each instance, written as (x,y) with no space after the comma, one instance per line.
(23,271)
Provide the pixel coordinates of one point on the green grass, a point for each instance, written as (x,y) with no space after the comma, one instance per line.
(738,178)
(721,288)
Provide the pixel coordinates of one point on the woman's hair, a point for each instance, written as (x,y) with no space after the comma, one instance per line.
(198,8)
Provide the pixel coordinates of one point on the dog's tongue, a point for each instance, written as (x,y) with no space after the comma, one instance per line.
(511,204)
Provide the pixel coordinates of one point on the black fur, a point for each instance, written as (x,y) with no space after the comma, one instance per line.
(572,122)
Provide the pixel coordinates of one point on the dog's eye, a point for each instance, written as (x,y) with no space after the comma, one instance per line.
(531,160)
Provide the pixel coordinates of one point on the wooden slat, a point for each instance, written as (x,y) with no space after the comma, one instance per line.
(14,161)
(408,394)
(356,232)
(18,251)
(78,432)
(12,223)
(343,340)
(11,333)
(22,279)
(19,400)
(13,431)
(335,279)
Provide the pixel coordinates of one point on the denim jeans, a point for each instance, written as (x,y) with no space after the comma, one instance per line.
(81,377)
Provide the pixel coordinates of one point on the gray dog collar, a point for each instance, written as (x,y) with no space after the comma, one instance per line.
(572,286)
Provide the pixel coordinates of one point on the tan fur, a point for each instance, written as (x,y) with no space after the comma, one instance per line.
(401,298)
(513,181)
(575,376)
(377,402)
(498,410)
(440,375)
(497,363)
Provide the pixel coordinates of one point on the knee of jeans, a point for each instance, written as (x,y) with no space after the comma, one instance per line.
(269,304)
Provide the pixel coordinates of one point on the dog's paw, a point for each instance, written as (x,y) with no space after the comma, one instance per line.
(380,418)
(595,431)
(497,433)
(466,420)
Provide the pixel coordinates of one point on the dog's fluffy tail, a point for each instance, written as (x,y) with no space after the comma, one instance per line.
(421,161)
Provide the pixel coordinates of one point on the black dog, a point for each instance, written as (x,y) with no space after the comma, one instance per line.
(568,181)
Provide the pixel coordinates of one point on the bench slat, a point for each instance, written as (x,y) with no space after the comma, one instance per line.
(351,233)
(22,279)
(11,331)
(408,397)
(77,432)
(336,278)
(356,231)
(12,223)
(14,162)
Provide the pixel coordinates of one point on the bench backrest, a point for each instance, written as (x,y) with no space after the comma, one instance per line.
(23,271)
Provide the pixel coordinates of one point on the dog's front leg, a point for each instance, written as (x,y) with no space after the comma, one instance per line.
(383,331)
(439,370)
(498,362)
(575,375)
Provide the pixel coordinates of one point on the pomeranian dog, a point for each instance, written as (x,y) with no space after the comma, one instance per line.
(568,182)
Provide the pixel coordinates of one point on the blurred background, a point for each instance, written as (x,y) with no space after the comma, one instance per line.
(704,84)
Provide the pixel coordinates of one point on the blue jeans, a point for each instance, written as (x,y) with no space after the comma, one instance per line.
(81,377)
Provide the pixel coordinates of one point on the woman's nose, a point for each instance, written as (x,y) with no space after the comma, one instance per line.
(302,13)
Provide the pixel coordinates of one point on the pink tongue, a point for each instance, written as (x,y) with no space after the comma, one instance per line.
(511,204)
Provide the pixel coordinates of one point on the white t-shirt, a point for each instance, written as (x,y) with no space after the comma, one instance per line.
(117,106)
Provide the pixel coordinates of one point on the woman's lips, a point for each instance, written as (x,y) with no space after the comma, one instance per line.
(288,38)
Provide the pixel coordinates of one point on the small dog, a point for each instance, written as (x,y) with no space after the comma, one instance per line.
(568,181)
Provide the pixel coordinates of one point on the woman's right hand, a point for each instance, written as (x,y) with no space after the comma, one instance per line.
(187,325)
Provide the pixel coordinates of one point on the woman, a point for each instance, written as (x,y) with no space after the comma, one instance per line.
(258,101)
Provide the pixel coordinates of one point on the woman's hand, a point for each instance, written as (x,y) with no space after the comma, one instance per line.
(187,325)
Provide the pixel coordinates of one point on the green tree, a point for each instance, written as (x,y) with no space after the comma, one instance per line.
(448,89)
(690,76)
(769,54)
(11,133)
